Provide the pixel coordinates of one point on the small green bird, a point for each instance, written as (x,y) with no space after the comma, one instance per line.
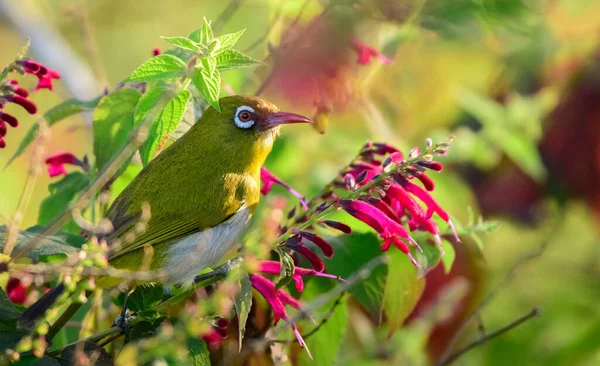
(201,191)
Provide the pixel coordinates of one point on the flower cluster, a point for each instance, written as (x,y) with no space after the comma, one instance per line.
(380,190)
(11,92)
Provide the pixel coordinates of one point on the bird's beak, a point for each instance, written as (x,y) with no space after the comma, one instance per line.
(283,118)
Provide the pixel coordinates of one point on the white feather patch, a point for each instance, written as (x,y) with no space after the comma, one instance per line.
(190,255)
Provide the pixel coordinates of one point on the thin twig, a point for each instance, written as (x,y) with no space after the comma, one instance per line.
(504,283)
(32,174)
(532,314)
(229,10)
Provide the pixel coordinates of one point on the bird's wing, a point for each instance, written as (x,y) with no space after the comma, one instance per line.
(165,230)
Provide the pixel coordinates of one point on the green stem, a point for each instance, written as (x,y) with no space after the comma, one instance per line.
(93,338)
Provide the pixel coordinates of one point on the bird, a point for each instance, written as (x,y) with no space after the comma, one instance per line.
(201,192)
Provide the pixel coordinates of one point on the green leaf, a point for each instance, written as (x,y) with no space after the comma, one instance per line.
(206,33)
(59,112)
(8,311)
(209,87)
(199,355)
(448,257)
(145,297)
(74,240)
(74,352)
(428,258)
(232,59)
(166,124)
(243,303)
(351,253)
(62,193)
(402,291)
(287,269)
(113,123)
(48,246)
(163,66)
(325,344)
(195,35)
(183,42)
(209,63)
(226,41)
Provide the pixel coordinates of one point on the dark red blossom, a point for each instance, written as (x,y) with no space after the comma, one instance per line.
(155,51)
(56,163)
(28,105)
(366,53)
(277,299)
(217,333)
(338,226)
(325,247)
(269,179)
(316,262)
(17,293)
(12,121)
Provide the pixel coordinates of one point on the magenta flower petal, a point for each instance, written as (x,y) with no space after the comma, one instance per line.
(56,163)
(426,198)
(316,262)
(427,182)
(267,289)
(269,179)
(366,53)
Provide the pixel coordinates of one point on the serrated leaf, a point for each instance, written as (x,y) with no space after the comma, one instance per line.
(206,33)
(55,114)
(7,310)
(243,303)
(351,253)
(166,124)
(195,35)
(48,246)
(232,59)
(62,193)
(198,352)
(163,66)
(209,63)
(226,41)
(402,291)
(209,87)
(183,42)
(287,269)
(113,123)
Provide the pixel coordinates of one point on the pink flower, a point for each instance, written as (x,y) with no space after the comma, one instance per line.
(388,229)
(277,301)
(28,105)
(217,333)
(273,267)
(269,179)
(44,74)
(155,51)
(365,53)
(425,197)
(56,163)
(17,293)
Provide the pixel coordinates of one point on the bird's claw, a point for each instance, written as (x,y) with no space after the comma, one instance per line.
(122,321)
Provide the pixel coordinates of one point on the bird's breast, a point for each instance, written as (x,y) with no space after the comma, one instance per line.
(190,255)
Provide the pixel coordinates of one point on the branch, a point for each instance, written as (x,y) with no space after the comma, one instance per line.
(532,314)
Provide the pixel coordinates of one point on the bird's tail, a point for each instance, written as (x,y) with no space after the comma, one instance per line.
(30,317)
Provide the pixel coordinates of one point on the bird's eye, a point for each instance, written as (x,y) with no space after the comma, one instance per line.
(244,117)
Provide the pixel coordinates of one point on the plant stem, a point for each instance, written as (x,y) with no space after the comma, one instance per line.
(93,338)
(532,314)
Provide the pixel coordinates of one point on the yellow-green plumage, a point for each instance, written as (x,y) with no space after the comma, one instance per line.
(198,182)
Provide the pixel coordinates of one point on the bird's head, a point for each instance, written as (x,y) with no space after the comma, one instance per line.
(246,126)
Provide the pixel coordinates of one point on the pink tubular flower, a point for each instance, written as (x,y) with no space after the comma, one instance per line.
(277,299)
(366,53)
(28,105)
(425,197)
(43,73)
(217,333)
(269,179)
(388,229)
(273,267)
(56,163)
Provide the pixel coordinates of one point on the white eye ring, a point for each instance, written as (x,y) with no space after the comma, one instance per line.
(240,123)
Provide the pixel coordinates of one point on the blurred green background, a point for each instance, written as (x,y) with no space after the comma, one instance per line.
(517,83)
